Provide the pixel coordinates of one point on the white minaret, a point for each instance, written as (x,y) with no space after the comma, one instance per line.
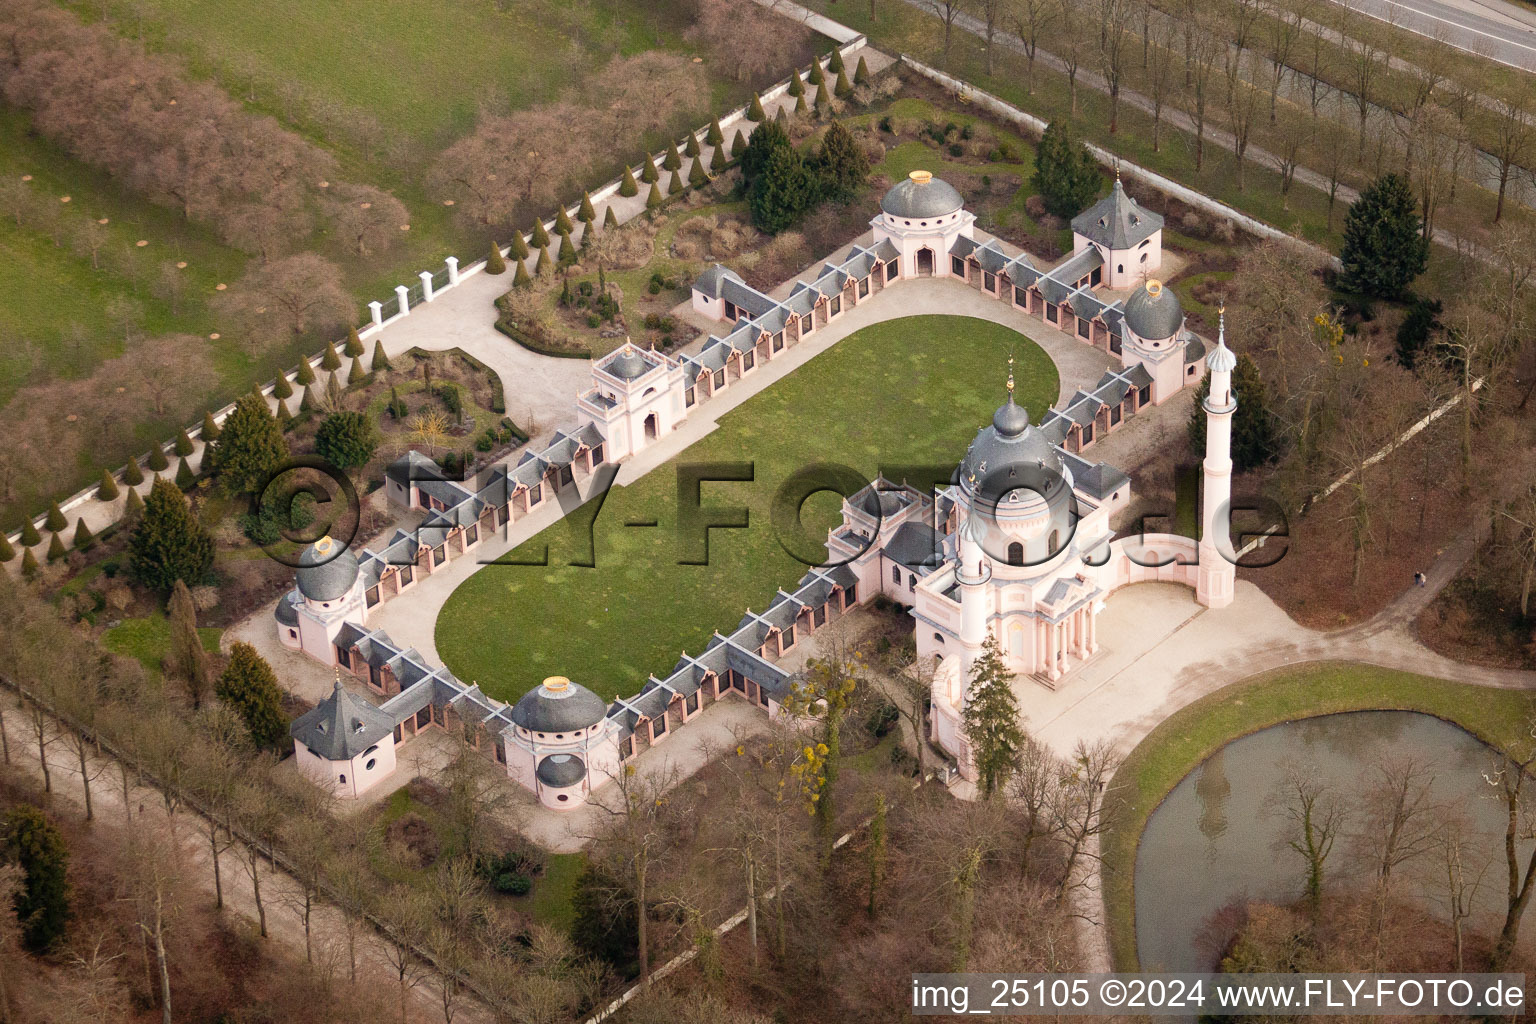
(1217,575)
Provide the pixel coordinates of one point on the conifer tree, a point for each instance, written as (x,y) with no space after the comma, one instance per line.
(675,185)
(357,374)
(610,220)
(332,359)
(717,160)
(586,214)
(133,507)
(283,417)
(673,160)
(29,566)
(211,428)
(817,77)
(691,147)
(347,439)
(187,661)
(563,225)
(520,278)
(861,73)
(519,250)
(714,136)
(875,852)
(842,89)
(133,474)
(1066,176)
(567,249)
(697,175)
(354,346)
(738,145)
(311,399)
(249,686)
(540,235)
(648,172)
(157,460)
(653,198)
(1384,246)
(55,520)
(835,64)
(1255,434)
(30,538)
(306,375)
(250,449)
(7,551)
(84,538)
(841,164)
(184,445)
(800,106)
(755,112)
(29,839)
(796,85)
(185,478)
(823,98)
(546,264)
(56,549)
(169,544)
(495,263)
(783,190)
(107,490)
(991,717)
(627,186)
(380,358)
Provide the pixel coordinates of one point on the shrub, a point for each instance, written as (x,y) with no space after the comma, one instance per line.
(546,263)
(29,566)
(211,429)
(83,536)
(823,98)
(585,213)
(800,106)
(627,186)
(610,220)
(796,85)
(673,160)
(518,250)
(132,474)
(281,389)
(332,359)
(676,184)
(842,88)
(184,445)
(520,278)
(717,160)
(354,346)
(453,400)
(883,716)
(357,374)
(306,375)
(495,263)
(540,238)
(55,520)
(107,490)
(648,172)
(380,357)
(817,76)
(396,406)
(513,885)
(157,460)
(567,250)
(7,552)
(691,147)
(185,478)
(697,175)
(738,145)
(861,73)
(755,112)
(133,507)
(56,548)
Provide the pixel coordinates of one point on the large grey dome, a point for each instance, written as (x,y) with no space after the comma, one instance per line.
(558,705)
(327,570)
(1154,312)
(922,195)
(561,770)
(1011,454)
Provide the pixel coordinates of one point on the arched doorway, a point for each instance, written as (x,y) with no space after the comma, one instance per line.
(925,262)
(651,429)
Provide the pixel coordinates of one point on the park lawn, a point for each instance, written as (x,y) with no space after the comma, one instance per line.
(1184,740)
(549,902)
(148,640)
(906,391)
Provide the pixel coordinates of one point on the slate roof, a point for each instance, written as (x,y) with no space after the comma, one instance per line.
(709,282)
(1154,312)
(341,726)
(327,570)
(1117,221)
(916,546)
(921,197)
(561,770)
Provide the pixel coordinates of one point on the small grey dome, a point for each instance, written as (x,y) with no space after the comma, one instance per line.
(558,705)
(627,364)
(1011,418)
(561,770)
(922,195)
(1009,455)
(327,570)
(284,612)
(1154,312)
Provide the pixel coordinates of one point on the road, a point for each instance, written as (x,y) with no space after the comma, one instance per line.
(1505,32)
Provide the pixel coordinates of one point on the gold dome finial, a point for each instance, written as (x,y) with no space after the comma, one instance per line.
(323,545)
(557,684)
(1010,377)
(921,177)
(1154,287)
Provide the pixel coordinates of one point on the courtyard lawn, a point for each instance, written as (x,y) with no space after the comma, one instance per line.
(1184,740)
(909,391)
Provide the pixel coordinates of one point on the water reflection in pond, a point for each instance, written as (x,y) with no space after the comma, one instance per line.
(1219,837)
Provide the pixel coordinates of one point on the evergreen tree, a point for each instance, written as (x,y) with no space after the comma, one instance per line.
(519,250)
(133,507)
(738,145)
(56,549)
(1413,334)
(29,566)
(823,97)
(30,538)
(133,474)
(169,543)
(188,661)
(861,73)
(7,550)
(157,460)
(1255,436)
(332,359)
(184,445)
(1066,177)
(835,63)
(347,439)
(55,520)
(767,140)
(563,224)
(782,117)
(648,172)
(653,198)
(782,192)
(714,136)
(673,160)
(520,278)
(354,346)
(32,842)
(610,220)
(991,717)
(283,417)
(380,358)
(495,263)
(587,215)
(604,922)
(842,88)
(691,148)
(357,374)
(755,112)
(306,375)
(211,429)
(546,263)
(697,175)
(800,106)
(107,490)
(311,399)
(627,187)
(796,85)
(675,185)
(841,164)
(334,398)
(817,76)
(540,235)
(185,478)
(250,449)
(249,686)
(567,249)
(1384,246)
(717,160)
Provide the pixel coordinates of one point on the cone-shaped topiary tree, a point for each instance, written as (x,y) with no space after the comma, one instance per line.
(586,214)
(133,475)
(520,278)
(861,73)
(211,429)
(835,64)
(817,76)
(676,184)
(782,118)
(648,172)
(610,219)
(157,460)
(800,106)
(29,535)
(567,250)
(796,85)
(518,250)
(56,548)
(281,389)
(380,358)
(823,98)
(133,507)
(29,566)
(627,186)
(673,160)
(306,375)
(309,401)
(691,147)
(169,544)
(107,490)
(842,89)
(7,552)
(185,478)
(184,445)
(653,198)
(540,237)
(546,264)
(697,175)
(495,263)
(755,112)
(717,160)
(55,520)
(357,374)
(283,418)
(738,145)
(354,346)
(332,359)
(714,136)
(563,223)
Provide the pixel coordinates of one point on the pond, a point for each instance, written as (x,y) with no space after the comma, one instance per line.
(1220,836)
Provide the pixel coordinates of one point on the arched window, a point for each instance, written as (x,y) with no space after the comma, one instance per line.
(912,582)
(896,575)
(1015,553)
(1055,541)
(1120,268)
(343,779)
(938,638)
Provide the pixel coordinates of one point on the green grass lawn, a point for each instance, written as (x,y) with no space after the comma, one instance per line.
(149,640)
(905,391)
(1181,742)
(550,900)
